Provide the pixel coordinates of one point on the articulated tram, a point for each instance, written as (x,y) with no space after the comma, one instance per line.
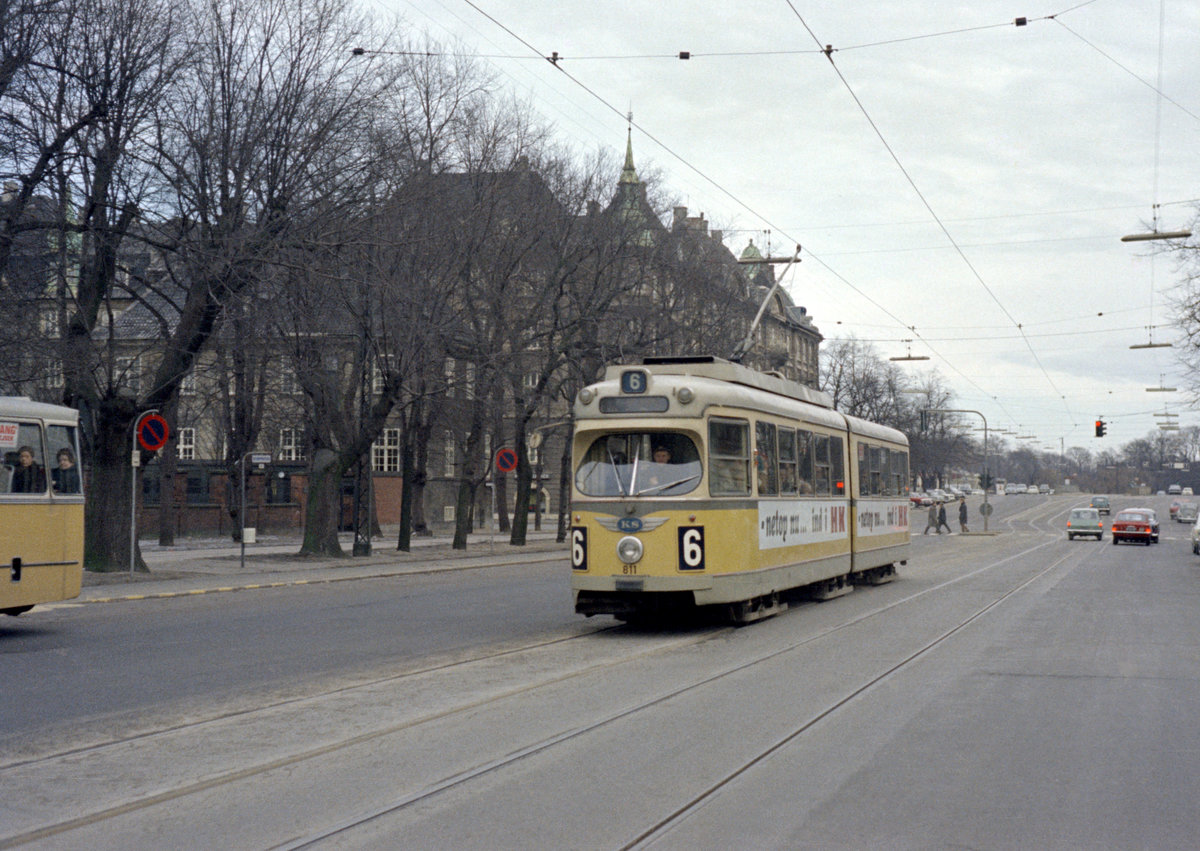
(699,482)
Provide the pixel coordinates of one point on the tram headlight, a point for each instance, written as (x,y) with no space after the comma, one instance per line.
(629,550)
(685,395)
(586,396)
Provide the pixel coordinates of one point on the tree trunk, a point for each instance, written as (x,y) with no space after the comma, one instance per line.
(324,506)
(564,487)
(168,466)
(520,523)
(107,512)
(404,538)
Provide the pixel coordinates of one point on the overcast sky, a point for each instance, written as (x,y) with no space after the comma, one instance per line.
(943,169)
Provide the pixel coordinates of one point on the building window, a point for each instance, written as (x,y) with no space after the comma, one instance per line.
(449,455)
(288,384)
(291,447)
(54,376)
(186,447)
(151,488)
(279,488)
(197,487)
(385,452)
(127,373)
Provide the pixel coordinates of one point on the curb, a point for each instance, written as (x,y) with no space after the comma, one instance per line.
(448,565)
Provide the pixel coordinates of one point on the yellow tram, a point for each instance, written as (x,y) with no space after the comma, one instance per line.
(701,482)
(41,504)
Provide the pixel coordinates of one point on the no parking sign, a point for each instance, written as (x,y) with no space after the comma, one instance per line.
(152,432)
(506,460)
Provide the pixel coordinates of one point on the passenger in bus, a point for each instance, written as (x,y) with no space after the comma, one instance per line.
(65,477)
(28,477)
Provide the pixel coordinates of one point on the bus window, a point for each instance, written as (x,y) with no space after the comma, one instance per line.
(64,452)
(765,459)
(639,464)
(729,457)
(26,464)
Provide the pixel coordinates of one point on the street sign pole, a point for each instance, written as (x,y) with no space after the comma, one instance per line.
(134,463)
(257,458)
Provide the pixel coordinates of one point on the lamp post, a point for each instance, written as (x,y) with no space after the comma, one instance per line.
(985,509)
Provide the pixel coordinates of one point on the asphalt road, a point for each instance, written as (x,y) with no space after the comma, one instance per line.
(1010,691)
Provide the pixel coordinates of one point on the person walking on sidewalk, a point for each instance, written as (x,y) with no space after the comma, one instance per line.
(941,521)
(933,520)
(962,516)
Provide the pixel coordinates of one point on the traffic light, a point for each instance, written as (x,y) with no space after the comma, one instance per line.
(1100,428)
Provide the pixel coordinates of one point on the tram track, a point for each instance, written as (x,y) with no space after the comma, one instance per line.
(229,777)
(212,719)
(483,769)
(663,827)
(465,776)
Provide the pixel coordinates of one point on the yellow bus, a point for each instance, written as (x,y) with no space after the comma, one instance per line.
(700,483)
(41,504)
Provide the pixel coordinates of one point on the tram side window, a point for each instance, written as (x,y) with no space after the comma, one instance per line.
(880,485)
(64,450)
(864,468)
(804,461)
(787,461)
(899,472)
(25,465)
(837,452)
(765,459)
(821,468)
(729,457)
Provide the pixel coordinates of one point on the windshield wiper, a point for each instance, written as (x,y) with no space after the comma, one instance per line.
(653,488)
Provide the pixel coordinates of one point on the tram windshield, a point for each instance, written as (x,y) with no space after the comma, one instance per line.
(659,463)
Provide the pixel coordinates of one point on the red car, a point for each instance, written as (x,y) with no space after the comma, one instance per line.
(1135,524)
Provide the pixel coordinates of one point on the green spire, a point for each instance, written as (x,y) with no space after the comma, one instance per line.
(629,173)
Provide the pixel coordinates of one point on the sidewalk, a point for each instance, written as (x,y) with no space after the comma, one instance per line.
(213,565)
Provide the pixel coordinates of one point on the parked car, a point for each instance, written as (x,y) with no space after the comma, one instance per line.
(1135,524)
(1100,503)
(1044,489)
(1187,513)
(1085,522)
(920,498)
